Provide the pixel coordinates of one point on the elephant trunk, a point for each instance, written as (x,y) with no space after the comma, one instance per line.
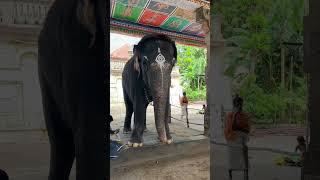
(161,112)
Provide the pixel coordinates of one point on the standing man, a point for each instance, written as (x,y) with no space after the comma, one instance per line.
(184,105)
(236,132)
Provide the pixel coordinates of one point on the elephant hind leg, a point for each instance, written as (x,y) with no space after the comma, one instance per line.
(139,121)
(62,151)
(129,111)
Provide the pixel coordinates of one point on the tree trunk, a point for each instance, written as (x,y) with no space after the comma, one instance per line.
(291,73)
(282,85)
(282,66)
(198,83)
(290,87)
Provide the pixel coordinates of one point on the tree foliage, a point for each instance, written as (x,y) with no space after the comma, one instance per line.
(192,63)
(257,28)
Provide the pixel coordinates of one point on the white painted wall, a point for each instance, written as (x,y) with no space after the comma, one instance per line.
(116,91)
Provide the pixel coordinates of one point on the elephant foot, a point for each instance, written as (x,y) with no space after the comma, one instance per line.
(126,130)
(131,144)
(166,141)
(169,141)
(145,129)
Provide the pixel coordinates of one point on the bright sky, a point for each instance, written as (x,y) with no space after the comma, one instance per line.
(118,40)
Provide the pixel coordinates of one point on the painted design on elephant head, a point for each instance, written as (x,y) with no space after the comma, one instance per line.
(160,59)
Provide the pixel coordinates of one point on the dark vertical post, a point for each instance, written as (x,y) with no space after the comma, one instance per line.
(311,169)
(206,125)
(187,117)
(169,114)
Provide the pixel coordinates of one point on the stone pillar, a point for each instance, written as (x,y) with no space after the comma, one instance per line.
(311,170)
(218,85)
(203,17)
(219,95)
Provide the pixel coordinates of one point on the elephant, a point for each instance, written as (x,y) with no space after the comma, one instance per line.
(146,77)
(73,72)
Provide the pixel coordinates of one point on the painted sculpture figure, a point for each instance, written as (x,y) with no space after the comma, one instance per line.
(147,77)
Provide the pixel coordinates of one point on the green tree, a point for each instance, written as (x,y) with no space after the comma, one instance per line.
(192,63)
(273,80)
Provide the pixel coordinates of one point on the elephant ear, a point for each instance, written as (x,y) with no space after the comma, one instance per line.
(86,17)
(136,65)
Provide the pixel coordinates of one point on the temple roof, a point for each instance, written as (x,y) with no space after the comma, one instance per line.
(175,18)
(121,53)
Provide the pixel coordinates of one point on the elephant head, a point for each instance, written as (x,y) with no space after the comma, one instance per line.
(156,55)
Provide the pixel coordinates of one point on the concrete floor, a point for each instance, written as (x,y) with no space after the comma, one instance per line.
(25,155)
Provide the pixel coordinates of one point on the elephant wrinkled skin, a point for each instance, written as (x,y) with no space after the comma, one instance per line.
(147,77)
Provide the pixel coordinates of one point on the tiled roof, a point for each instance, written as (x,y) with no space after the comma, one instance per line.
(122,53)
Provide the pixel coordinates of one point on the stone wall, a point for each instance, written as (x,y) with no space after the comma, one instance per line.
(20,99)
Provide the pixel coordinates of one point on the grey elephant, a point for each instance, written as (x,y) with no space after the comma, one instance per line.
(147,77)
(73,70)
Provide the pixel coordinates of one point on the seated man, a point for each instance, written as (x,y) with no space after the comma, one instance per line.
(203,110)
(112,131)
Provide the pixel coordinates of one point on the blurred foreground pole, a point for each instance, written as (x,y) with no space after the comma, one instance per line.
(311,170)
(218,85)
(203,17)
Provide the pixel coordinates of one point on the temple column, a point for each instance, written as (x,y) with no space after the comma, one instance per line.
(219,95)
(218,85)
(311,170)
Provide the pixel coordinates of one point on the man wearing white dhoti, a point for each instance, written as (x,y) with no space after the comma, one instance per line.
(237,135)
(184,105)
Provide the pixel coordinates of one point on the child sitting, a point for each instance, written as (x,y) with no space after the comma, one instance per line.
(203,110)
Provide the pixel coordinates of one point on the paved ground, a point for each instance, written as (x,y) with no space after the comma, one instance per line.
(25,155)
(197,168)
(261,166)
(178,127)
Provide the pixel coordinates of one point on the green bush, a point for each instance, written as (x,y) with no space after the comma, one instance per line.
(196,95)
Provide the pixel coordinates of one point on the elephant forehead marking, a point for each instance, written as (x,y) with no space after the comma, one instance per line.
(160,59)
